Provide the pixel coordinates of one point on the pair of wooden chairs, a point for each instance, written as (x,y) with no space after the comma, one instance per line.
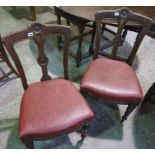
(54,106)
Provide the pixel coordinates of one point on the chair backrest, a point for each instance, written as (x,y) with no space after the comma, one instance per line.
(38,32)
(121,18)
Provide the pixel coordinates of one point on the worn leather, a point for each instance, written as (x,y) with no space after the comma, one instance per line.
(112,80)
(52,108)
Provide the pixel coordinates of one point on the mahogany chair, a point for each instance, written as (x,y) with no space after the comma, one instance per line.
(110,79)
(4,58)
(81,24)
(51,107)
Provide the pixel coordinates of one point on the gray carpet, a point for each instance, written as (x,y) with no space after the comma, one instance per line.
(105,130)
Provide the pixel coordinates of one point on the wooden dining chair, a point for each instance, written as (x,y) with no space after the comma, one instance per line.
(51,107)
(114,80)
(81,24)
(5,59)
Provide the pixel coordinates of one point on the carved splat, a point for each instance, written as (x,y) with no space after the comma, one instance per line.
(38,36)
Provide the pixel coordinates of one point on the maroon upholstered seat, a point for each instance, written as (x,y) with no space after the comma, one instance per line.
(112,80)
(52,108)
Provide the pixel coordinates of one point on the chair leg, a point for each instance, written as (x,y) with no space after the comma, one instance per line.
(29,145)
(150,95)
(129,109)
(84,133)
(84,93)
(68,22)
(5,58)
(91,50)
(59,38)
(33,12)
(79,54)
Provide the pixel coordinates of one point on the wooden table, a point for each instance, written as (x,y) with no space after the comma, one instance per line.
(88,12)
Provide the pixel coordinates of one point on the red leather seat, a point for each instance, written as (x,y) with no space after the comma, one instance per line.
(112,80)
(52,108)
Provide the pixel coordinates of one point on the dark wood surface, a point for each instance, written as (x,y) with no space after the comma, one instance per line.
(88,12)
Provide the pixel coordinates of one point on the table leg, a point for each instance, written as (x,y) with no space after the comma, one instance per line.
(59,39)
(33,12)
(79,53)
(91,47)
